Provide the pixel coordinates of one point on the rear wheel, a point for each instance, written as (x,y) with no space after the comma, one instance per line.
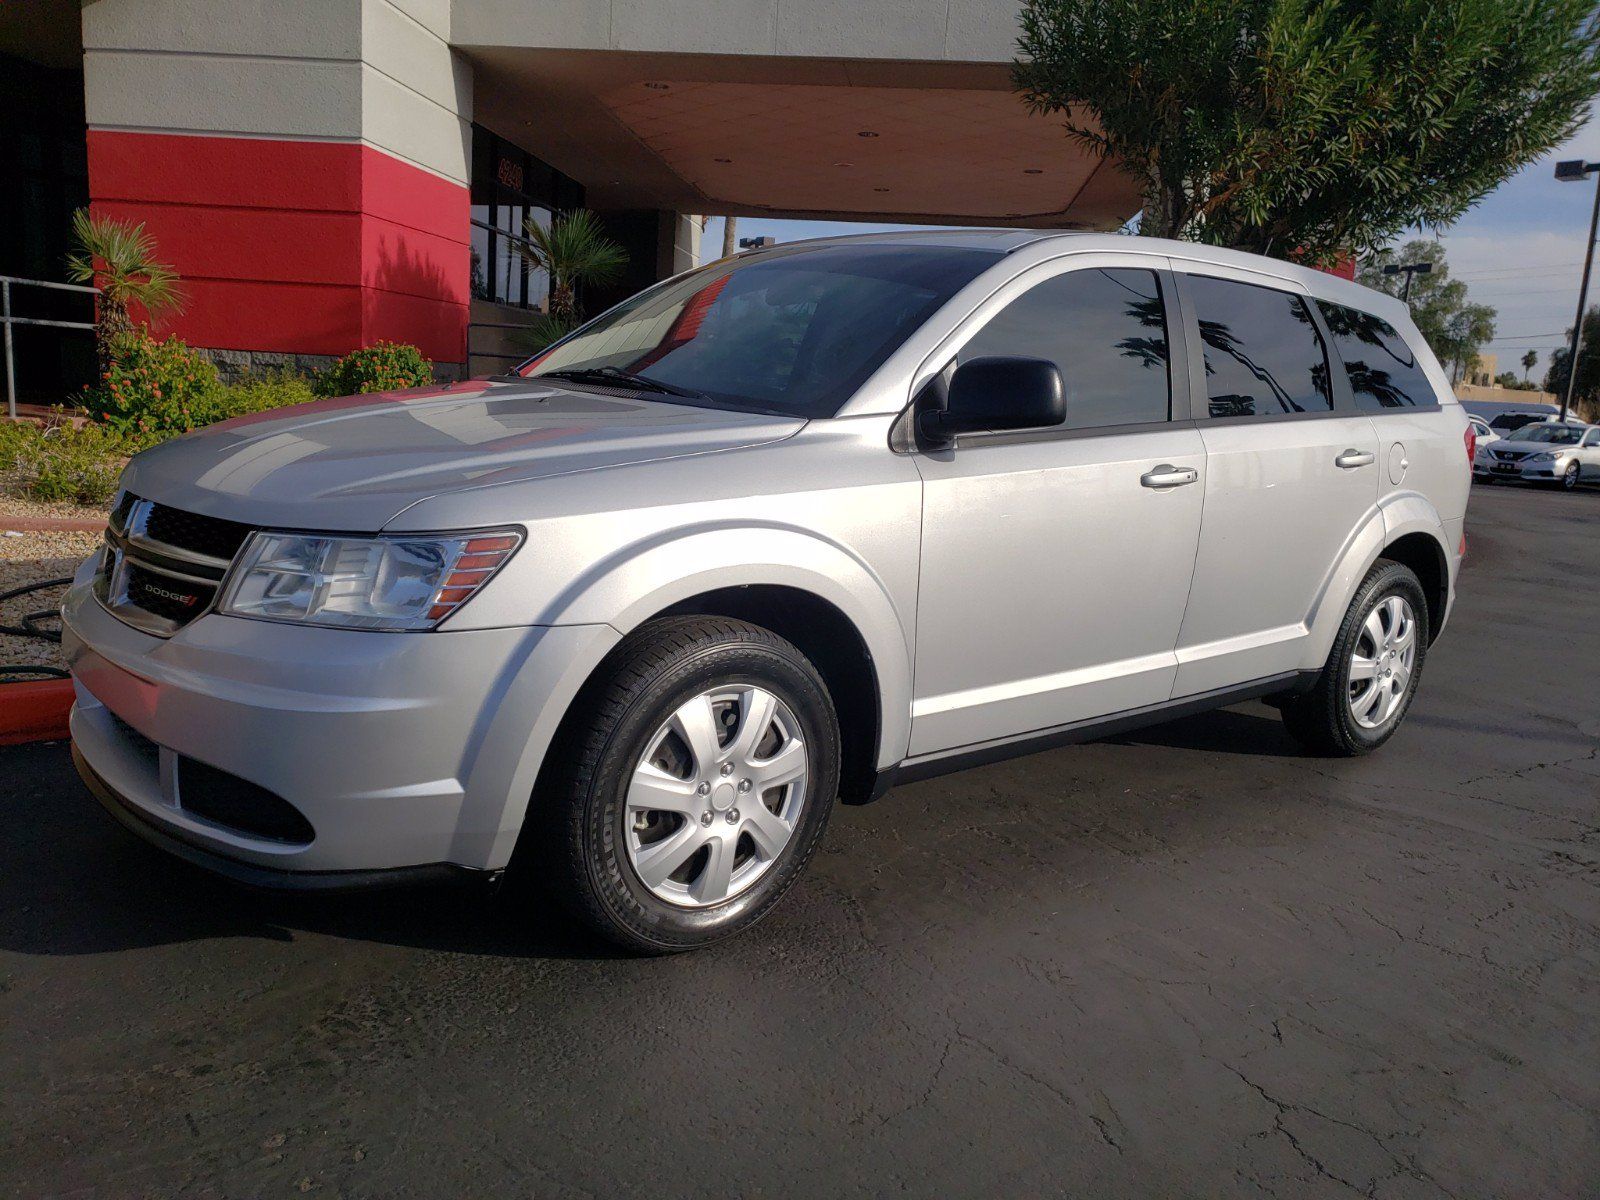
(1372,672)
(694,784)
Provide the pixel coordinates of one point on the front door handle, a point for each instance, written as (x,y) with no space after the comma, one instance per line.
(1168,476)
(1355,458)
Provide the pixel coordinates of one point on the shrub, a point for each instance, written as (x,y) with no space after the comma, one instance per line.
(61,463)
(154,390)
(258,393)
(380,367)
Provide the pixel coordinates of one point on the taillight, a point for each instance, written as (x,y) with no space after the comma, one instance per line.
(1470,437)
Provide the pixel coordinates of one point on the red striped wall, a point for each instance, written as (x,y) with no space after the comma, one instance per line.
(300,247)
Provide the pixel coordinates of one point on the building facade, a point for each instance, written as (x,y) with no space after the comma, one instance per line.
(328,174)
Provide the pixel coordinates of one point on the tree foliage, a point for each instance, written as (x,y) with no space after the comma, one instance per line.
(1456,328)
(573,249)
(119,258)
(1586,395)
(1310,128)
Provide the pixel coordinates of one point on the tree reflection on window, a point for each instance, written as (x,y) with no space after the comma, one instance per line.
(1383,371)
(1263,354)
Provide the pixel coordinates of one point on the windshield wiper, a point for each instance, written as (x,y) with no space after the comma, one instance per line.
(617,377)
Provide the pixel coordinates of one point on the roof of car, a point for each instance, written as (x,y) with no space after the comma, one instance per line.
(1008,241)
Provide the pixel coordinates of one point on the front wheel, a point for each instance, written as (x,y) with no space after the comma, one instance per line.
(1372,672)
(1569,477)
(695,782)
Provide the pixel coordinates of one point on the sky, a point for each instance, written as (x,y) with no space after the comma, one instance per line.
(1520,250)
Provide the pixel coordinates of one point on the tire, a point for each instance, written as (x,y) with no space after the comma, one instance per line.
(593,847)
(1569,477)
(1325,719)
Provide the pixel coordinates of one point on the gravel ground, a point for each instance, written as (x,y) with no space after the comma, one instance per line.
(29,558)
(14,506)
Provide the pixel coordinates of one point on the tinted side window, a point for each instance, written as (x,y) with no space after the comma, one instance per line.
(1264,355)
(1106,331)
(1383,371)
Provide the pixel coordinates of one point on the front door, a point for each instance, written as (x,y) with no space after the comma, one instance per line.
(1056,563)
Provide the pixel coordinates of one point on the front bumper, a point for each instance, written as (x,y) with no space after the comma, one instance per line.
(137,820)
(1547,472)
(400,750)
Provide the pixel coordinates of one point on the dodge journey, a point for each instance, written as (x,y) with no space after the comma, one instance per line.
(786,529)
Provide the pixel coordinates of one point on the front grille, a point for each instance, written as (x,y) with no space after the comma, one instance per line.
(223,799)
(163,566)
(1511,455)
(198,534)
(168,598)
(119,515)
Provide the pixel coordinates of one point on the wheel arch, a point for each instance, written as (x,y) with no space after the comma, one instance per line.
(810,590)
(1406,528)
(1425,556)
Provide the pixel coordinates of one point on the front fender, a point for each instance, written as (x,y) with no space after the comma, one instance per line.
(640,581)
(585,620)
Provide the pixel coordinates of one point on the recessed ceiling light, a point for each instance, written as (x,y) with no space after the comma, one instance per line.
(658,87)
(1032,171)
(866,133)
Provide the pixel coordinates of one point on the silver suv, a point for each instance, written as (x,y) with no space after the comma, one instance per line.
(795,526)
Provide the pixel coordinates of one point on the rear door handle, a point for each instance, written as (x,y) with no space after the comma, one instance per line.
(1168,476)
(1355,458)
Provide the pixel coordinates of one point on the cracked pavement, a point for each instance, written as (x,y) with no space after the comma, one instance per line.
(1183,962)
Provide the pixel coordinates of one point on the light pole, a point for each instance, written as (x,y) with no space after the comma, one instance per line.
(1408,270)
(1575,170)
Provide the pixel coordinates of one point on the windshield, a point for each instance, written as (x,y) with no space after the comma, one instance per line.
(1509,421)
(1557,435)
(791,332)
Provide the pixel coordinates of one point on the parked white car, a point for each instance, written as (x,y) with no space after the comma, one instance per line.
(1554,452)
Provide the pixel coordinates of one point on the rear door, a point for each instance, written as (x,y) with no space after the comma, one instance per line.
(1292,474)
(1056,562)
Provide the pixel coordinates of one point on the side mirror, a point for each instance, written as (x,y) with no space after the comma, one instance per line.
(992,394)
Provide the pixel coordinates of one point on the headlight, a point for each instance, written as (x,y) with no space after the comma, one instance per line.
(399,582)
(1543,456)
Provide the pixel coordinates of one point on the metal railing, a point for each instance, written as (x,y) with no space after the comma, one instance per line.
(8,320)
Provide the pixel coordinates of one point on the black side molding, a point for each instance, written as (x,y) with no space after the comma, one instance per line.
(946,762)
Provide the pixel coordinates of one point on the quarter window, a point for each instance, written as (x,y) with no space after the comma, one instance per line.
(1264,356)
(1104,329)
(1384,372)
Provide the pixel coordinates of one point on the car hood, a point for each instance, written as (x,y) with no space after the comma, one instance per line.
(356,462)
(1517,447)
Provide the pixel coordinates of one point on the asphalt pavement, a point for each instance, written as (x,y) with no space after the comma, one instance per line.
(1185,962)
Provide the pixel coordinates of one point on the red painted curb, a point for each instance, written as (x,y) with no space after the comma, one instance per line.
(34,712)
(50,524)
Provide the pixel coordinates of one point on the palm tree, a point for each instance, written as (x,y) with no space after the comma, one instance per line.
(574,250)
(1529,361)
(119,258)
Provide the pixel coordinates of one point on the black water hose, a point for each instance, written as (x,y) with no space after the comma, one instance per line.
(30,628)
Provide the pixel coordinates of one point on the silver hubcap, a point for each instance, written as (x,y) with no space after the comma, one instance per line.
(1385,656)
(716,797)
